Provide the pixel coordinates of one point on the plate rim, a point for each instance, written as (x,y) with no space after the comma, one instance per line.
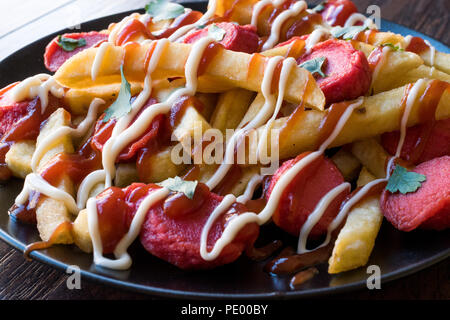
(174,293)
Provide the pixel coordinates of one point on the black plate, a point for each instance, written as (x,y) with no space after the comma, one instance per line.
(397,254)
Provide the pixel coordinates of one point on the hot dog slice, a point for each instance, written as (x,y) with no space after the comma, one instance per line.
(55,56)
(437,142)
(336,12)
(172,229)
(429,206)
(236,37)
(103,131)
(347,71)
(303,194)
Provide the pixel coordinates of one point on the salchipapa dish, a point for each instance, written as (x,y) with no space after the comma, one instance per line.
(357,120)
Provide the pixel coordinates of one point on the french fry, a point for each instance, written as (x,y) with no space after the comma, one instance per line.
(81,236)
(347,164)
(230,109)
(378,114)
(79,99)
(51,213)
(372,155)
(159,166)
(226,70)
(126,174)
(18,158)
(356,239)
(420,72)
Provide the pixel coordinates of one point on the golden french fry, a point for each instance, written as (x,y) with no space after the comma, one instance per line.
(18,158)
(126,174)
(51,213)
(226,70)
(364,177)
(372,155)
(378,114)
(79,99)
(347,164)
(230,109)
(159,166)
(356,239)
(420,72)
(81,236)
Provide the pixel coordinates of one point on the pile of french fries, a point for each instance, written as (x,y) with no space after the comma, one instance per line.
(231,98)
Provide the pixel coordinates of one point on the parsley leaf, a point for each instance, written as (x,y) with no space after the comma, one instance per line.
(319,7)
(347,33)
(179,185)
(216,32)
(314,66)
(163,9)
(69,44)
(122,105)
(404,181)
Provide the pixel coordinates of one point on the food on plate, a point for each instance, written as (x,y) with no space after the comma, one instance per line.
(195,132)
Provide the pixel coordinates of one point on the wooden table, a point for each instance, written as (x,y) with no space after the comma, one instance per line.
(22,22)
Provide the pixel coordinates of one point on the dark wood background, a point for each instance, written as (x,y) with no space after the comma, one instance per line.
(22,22)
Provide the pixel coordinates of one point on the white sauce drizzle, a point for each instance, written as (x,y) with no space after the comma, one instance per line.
(80,131)
(121,137)
(381,62)
(358,17)
(96,65)
(254,182)
(315,38)
(37,86)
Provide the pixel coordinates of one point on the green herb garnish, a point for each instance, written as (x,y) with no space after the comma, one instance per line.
(179,185)
(69,44)
(122,105)
(163,10)
(404,181)
(314,66)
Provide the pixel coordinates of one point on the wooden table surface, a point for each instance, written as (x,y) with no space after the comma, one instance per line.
(22,22)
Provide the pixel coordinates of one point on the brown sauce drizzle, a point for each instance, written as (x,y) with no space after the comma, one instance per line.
(303,26)
(367,36)
(375,58)
(276,77)
(330,121)
(295,50)
(229,181)
(302,277)
(429,102)
(288,262)
(181,21)
(208,55)
(63,227)
(134,27)
(262,253)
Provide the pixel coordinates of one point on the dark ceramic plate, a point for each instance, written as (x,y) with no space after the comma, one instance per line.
(397,254)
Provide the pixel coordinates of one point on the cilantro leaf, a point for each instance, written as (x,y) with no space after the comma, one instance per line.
(395,48)
(404,181)
(347,33)
(122,104)
(216,32)
(179,185)
(319,7)
(163,9)
(69,44)
(314,66)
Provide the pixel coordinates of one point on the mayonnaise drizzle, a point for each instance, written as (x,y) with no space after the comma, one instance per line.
(381,62)
(212,7)
(315,38)
(280,20)
(254,182)
(100,55)
(236,223)
(78,132)
(358,17)
(121,137)
(37,86)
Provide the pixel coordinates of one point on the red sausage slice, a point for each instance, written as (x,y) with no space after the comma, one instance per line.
(236,38)
(176,239)
(55,56)
(303,194)
(437,144)
(103,132)
(348,75)
(429,206)
(336,12)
